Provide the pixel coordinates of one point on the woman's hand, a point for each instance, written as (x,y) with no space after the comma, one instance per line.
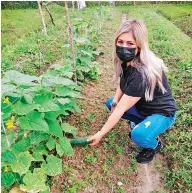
(95,138)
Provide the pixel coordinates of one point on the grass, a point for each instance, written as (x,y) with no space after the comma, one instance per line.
(180,15)
(175,48)
(29,50)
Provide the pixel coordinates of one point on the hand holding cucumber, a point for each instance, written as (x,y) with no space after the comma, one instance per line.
(95,138)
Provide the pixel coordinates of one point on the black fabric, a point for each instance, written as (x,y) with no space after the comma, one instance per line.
(132,84)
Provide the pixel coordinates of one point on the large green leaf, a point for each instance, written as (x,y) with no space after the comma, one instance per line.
(34,182)
(52,80)
(34,121)
(66,92)
(39,151)
(11,139)
(37,137)
(22,164)
(53,115)
(66,146)
(6,111)
(63,101)
(68,129)
(23,145)
(46,191)
(6,88)
(53,166)
(51,143)
(8,157)
(55,128)
(28,98)
(59,150)
(83,68)
(23,109)
(19,78)
(7,179)
(45,104)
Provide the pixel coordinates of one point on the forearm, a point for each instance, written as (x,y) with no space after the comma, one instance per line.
(118,95)
(112,121)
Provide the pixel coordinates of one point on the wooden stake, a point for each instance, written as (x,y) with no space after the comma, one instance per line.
(42,18)
(71,41)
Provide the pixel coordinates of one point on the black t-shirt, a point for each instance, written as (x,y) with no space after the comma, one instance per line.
(132,84)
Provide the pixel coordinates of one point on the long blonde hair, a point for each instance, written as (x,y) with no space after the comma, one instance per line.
(150,66)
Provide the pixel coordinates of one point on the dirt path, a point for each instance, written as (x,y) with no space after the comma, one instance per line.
(109,166)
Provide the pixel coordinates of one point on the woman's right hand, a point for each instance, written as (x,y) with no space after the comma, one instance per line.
(95,138)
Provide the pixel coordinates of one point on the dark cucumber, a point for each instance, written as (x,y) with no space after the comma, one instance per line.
(82,141)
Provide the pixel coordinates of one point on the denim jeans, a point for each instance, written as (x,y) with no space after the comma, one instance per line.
(145,133)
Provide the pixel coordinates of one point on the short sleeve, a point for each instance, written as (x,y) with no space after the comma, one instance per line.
(135,86)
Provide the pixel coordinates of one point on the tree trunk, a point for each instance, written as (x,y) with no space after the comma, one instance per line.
(71,41)
(42,18)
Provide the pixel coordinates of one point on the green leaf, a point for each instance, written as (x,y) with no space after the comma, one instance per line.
(37,137)
(51,144)
(46,191)
(55,128)
(63,101)
(22,145)
(23,109)
(66,146)
(23,162)
(28,98)
(53,166)
(39,151)
(6,88)
(7,179)
(53,115)
(52,80)
(33,121)
(68,129)
(45,104)
(66,92)
(6,111)
(19,78)
(83,68)
(38,156)
(59,150)
(34,182)
(8,157)
(11,138)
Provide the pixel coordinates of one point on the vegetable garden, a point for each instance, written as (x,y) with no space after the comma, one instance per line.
(42,108)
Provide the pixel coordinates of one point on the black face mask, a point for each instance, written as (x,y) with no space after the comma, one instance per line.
(125,54)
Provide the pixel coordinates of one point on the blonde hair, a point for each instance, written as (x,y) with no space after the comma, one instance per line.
(150,66)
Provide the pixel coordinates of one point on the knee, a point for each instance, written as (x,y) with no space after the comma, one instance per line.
(137,136)
(108,103)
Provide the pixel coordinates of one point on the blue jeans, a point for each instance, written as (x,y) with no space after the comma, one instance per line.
(147,129)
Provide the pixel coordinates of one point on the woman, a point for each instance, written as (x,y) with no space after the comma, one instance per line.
(143,96)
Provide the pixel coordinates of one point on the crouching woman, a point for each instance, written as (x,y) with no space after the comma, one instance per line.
(143,96)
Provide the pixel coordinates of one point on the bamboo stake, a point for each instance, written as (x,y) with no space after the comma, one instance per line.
(71,41)
(42,18)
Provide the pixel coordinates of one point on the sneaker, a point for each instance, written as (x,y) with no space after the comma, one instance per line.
(147,154)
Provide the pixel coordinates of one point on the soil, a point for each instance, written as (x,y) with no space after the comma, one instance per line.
(104,168)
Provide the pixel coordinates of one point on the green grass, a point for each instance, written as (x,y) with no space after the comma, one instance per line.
(175,48)
(180,15)
(24,40)
(18,23)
